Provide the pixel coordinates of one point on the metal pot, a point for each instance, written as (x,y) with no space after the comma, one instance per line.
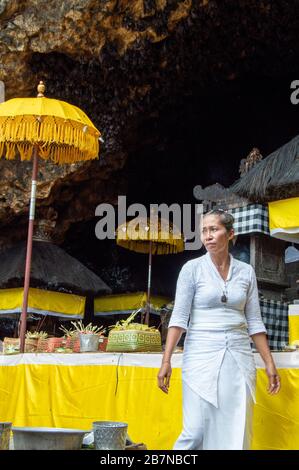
(109,435)
(89,342)
(29,438)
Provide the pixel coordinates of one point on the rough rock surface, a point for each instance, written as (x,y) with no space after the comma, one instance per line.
(123,62)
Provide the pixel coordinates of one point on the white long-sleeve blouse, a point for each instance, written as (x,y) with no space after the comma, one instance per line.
(200,288)
(214,327)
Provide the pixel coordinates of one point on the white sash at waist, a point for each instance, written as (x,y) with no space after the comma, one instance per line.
(204,350)
(217,319)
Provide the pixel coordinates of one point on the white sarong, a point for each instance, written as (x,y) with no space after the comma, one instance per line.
(219,378)
(228,427)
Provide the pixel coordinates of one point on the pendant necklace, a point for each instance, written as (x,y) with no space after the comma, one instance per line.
(224,297)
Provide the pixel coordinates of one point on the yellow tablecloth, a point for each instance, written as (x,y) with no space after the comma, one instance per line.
(73,390)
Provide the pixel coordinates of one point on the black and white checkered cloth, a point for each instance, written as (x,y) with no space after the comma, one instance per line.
(255,218)
(250,219)
(275,318)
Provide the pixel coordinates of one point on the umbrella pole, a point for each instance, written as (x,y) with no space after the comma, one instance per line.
(23,320)
(148,299)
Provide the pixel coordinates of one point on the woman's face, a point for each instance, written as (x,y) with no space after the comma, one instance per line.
(214,235)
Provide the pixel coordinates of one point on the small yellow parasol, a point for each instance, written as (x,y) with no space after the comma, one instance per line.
(52,130)
(152,235)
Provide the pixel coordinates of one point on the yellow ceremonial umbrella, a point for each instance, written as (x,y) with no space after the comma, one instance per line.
(52,130)
(152,235)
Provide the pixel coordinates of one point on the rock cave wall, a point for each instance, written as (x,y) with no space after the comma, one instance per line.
(181,91)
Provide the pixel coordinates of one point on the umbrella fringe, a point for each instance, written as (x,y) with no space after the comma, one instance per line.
(136,235)
(10,151)
(157,248)
(62,141)
(166,237)
(25,151)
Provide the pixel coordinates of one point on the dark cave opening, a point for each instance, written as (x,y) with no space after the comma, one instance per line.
(203,138)
(199,139)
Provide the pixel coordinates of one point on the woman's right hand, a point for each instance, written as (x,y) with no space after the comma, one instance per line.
(164,376)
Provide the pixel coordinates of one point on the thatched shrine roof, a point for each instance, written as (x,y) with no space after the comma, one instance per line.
(51,268)
(275,177)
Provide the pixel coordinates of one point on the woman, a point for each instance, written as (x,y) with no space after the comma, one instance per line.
(218,296)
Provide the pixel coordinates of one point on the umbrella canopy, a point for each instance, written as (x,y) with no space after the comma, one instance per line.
(51,268)
(135,235)
(275,177)
(63,133)
(153,236)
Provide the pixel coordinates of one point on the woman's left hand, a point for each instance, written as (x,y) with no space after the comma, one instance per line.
(274,379)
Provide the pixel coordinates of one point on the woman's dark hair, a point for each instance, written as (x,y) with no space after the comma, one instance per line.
(226,218)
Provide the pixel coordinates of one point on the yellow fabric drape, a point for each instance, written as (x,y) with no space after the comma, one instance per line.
(73,396)
(284,219)
(42,302)
(293,323)
(125,303)
(276,418)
